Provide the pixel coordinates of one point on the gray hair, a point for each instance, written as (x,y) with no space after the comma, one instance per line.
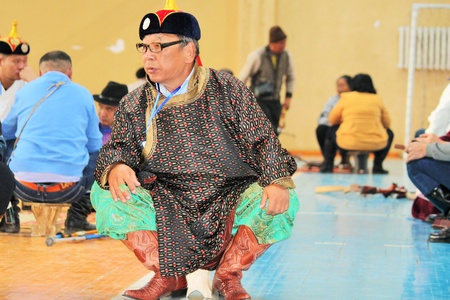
(186,40)
(55,61)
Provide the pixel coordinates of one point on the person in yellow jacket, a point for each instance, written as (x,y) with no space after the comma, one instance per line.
(360,122)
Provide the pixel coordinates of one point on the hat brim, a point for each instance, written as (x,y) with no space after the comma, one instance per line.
(107,101)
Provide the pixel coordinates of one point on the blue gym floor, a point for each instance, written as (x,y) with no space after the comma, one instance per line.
(348,246)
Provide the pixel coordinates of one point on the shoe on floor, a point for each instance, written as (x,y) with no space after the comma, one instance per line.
(73,224)
(433,217)
(326,169)
(10,222)
(379,170)
(442,236)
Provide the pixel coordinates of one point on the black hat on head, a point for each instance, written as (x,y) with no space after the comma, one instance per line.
(170,20)
(276,34)
(13,44)
(112,94)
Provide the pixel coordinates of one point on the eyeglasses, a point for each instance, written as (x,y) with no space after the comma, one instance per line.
(154,47)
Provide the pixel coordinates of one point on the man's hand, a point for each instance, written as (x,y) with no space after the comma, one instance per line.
(276,198)
(122,179)
(415,150)
(287,103)
(428,138)
(27,74)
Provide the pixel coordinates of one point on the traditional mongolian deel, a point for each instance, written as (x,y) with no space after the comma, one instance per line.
(205,148)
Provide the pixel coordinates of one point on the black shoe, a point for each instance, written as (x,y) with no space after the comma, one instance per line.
(326,169)
(442,236)
(379,170)
(73,225)
(10,222)
(433,217)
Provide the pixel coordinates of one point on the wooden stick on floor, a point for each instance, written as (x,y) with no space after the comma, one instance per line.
(337,188)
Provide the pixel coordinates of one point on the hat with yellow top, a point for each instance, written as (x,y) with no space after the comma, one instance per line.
(13,44)
(170,20)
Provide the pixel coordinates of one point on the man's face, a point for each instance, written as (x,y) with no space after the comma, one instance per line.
(106,114)
(278,47)
(11,65)
(169,65)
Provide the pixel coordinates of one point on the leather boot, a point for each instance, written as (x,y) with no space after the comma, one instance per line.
(77,217)
(440,197)
(144,244)
(242,252)
(10,222)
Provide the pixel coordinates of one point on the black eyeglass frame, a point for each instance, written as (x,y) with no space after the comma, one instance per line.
(148,47)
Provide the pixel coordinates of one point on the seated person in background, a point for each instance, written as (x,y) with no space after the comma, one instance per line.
(108,101)
(7,181)
(360,122)
(140,75)
(342,85)
(439,118)
(57,140)
(428,165)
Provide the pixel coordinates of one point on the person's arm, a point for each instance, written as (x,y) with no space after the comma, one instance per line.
(331,102)
(385,118)
(118,160)
(250,67)
(438,151)
(335,116)
(439,118)
(290,82)
(92,131)
(428,145)
(261,148)
(27,74)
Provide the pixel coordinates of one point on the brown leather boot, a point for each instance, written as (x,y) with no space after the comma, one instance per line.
(242,252)
(144,245)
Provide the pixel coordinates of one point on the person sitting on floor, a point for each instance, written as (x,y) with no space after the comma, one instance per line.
(360,123)
(57,140)
(428,165)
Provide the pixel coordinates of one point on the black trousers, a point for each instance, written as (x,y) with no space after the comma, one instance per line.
(331,148)
(7,185)
(321,135)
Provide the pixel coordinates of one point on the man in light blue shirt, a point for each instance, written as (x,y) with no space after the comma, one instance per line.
(56,126)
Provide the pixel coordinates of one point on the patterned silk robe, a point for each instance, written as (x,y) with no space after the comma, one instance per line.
(205,148)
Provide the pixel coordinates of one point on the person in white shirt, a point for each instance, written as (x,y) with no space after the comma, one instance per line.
(14,69)
(439,121)
(14,74)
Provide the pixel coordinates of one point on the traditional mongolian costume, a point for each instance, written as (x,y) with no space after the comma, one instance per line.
(202,162)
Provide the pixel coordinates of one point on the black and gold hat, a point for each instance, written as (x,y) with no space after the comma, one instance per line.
(13,44)
(170,20)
